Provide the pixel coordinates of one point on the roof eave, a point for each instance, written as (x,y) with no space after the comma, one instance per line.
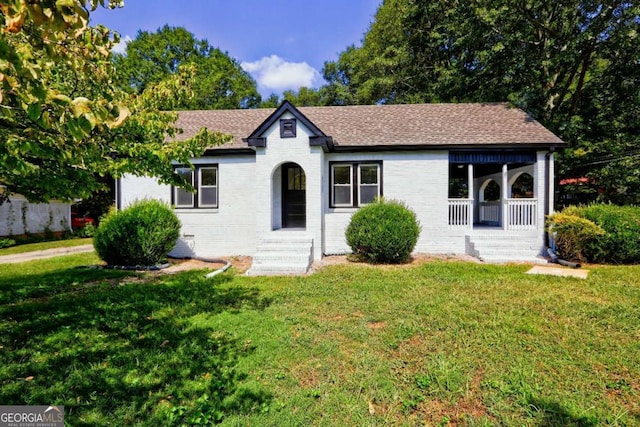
(438,147)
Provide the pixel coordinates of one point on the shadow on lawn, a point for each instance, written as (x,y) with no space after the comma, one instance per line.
(147,353)
(552,413)
(17,288)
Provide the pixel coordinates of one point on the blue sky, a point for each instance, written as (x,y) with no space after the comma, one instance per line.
(283,44)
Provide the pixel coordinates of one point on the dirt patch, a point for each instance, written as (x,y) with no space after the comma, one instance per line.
(239,263)
(416,259)
(376,325)
(451,413)
(458,410)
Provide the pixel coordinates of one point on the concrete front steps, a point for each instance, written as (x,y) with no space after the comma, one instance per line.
(501,247)
(282,253)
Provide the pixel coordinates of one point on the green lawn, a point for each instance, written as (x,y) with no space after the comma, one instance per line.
(30,247)
(442,343)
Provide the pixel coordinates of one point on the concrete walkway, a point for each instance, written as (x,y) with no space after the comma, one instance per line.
(47,253)
(560,271)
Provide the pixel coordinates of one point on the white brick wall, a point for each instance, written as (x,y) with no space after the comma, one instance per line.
(227,230)
(420,180)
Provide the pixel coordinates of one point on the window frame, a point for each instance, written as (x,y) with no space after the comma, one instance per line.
(360,184)
(333,185)
(355,182)
(196,179)
(201,186)
(175,189)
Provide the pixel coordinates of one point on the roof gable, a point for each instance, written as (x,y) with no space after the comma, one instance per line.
(317,138)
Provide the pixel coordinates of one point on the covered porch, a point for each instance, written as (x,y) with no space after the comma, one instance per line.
(499,190)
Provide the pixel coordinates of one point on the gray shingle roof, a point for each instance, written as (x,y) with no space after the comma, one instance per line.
(390,125)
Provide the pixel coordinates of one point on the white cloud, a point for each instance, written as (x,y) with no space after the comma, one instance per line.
(275,74)
(121,46)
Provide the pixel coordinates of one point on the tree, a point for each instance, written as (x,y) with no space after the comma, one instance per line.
(219,83)
(272,101)
(304,97)
(62,122)
(573,65)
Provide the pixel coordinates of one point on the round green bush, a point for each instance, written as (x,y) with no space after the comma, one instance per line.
(620,243)
(383,232)
(142,234)
(573,234)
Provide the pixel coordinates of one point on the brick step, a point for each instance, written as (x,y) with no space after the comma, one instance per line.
(276,269)
(283,247)
(284,239)
(299,257)
(282,254)
(502,246)
(504,238)
(497,259)
(505,247)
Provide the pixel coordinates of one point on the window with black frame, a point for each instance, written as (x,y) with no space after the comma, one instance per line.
(204,178)
(355,184)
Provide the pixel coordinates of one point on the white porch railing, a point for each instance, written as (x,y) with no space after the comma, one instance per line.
(489,212)
(522,214)
(461,213)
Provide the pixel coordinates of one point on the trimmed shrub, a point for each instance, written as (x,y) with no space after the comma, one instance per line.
(6,242)
(383,232)
(142,234)
(621,242)
(88,230)
(573,235)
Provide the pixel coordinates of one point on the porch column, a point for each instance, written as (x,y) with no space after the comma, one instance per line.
(551,191)
(505,194)
(470,180)
(470,194)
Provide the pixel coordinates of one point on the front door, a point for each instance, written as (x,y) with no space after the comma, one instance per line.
(294,202)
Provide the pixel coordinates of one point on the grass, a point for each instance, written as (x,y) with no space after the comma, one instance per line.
(441,343)
(30,247)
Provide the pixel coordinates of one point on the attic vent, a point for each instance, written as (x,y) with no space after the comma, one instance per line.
(288,128)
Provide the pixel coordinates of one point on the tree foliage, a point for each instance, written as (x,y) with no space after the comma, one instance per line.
(219,83)
(63,124)
(574,65)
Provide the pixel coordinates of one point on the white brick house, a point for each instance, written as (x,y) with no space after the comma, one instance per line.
(478,176)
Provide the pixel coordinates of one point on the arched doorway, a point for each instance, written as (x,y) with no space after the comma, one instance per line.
(294,197)
(490,203)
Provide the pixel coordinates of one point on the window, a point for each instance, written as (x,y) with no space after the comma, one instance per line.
(296,179)
(355,184)
(341,183)
(208,188)
(288,128)
(369,183)
(205,180)
(183,198)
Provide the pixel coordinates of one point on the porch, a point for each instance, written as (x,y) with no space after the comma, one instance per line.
(498,200)
(502,190)
(512,214)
